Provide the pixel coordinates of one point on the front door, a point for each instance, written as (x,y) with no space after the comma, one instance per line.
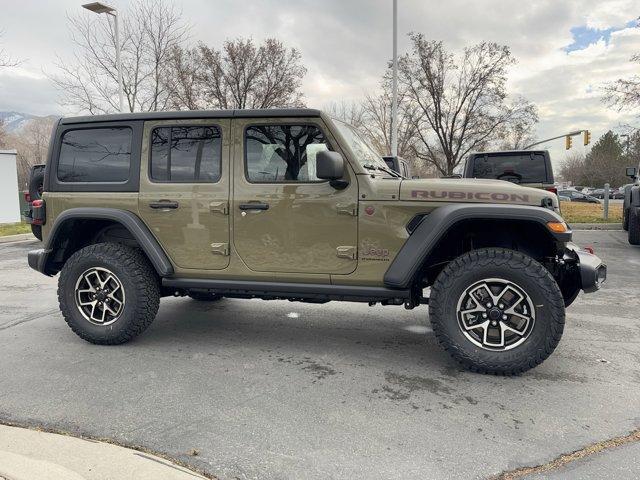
(285,219)
(184,190)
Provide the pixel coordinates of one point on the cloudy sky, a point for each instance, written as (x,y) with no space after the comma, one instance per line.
(566,49)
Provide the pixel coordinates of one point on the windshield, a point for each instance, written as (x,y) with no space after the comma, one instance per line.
(365,155)
(517,168)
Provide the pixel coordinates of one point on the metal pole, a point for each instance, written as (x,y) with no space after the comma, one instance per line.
(118,62)
(394,93)
(606,201)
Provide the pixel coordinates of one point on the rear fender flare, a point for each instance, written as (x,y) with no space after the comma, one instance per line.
(128,220)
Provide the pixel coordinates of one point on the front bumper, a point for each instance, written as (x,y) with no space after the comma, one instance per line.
(593,271)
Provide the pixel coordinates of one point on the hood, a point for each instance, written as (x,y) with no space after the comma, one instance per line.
(451,190)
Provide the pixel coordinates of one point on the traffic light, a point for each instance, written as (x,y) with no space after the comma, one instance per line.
(587,137)
(567,142)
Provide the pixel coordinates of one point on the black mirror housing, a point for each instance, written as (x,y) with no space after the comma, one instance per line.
(632,172)
(329,165)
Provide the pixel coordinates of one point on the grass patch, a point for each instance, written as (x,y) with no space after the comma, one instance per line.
(576,212)
(14,228)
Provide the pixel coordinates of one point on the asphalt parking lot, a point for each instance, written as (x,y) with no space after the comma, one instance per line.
(287,390)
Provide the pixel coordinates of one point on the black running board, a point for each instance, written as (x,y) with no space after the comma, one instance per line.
(310,291)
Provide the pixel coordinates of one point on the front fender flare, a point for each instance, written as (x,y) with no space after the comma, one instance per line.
(434,226)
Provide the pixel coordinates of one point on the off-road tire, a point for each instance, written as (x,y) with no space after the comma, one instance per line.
(634,225)
(533,278)
(202,296)
(36,183)
(139,281)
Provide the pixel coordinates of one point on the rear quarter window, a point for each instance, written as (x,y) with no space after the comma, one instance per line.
(95,155)
(517,168)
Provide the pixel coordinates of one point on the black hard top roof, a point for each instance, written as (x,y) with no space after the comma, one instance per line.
(187,114)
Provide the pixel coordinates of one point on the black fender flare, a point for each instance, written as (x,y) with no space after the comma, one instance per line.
(434,226)
(128,220)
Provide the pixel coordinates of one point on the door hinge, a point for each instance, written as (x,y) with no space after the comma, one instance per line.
(347,209)
(220,248)
(347,252)
(221,207)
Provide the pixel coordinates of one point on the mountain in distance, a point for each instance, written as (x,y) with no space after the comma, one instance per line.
(15,121)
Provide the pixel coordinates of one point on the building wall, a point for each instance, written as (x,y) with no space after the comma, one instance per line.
(9,199)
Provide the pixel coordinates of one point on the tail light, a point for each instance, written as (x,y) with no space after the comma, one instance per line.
(552,190)
(27,196)
(38,212)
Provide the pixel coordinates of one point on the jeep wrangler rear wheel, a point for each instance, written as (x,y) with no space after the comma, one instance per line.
(497,311)
(108,293)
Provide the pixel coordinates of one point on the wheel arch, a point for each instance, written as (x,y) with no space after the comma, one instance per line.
(78,227)
(441,235)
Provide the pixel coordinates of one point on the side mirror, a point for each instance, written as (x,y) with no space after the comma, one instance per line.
(632,172)
(329,165)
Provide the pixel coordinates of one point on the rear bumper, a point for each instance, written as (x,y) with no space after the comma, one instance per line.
(38,260)
(593,271)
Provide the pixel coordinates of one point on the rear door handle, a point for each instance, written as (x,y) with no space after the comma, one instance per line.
(254,206)
(162,204)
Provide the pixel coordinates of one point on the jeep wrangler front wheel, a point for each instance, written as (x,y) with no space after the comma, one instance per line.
(497,311)
(108,293)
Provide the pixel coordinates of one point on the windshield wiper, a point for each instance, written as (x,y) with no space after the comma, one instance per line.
(393,173)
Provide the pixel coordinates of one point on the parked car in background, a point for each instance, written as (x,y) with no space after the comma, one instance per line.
(576,196)
(530,168)
(619,193)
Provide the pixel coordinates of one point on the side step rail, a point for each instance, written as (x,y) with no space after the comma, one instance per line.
(312,291)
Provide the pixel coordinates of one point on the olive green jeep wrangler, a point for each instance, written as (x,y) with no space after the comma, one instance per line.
(292,204)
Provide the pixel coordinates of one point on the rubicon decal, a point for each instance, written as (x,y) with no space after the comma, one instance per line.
(457,195)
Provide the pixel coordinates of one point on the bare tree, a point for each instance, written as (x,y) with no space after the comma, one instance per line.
(150,30)
(372,117)
(32,144)
(462,102)
(572,169)
(624,93)
(240,75)
(5,59)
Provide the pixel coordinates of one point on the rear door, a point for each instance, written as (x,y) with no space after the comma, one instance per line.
(184,190)
(284,218)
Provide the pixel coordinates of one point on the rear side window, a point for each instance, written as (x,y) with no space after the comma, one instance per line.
(95,155)
(517,168)
(190,154)
(283,153)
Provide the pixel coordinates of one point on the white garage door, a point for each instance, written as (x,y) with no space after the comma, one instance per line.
(9,203)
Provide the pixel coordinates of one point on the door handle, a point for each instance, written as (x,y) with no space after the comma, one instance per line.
(163,204)
(254,206)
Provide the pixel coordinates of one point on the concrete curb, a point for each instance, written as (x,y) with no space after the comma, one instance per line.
(17,238)
(27,454)
(596,226)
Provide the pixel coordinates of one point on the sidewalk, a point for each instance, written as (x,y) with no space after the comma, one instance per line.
(29,454)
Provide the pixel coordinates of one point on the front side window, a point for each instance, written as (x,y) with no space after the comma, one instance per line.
(283,153)
(95,155)
(186,154)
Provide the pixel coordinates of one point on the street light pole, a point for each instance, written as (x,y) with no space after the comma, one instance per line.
(98,7)
(394,85)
